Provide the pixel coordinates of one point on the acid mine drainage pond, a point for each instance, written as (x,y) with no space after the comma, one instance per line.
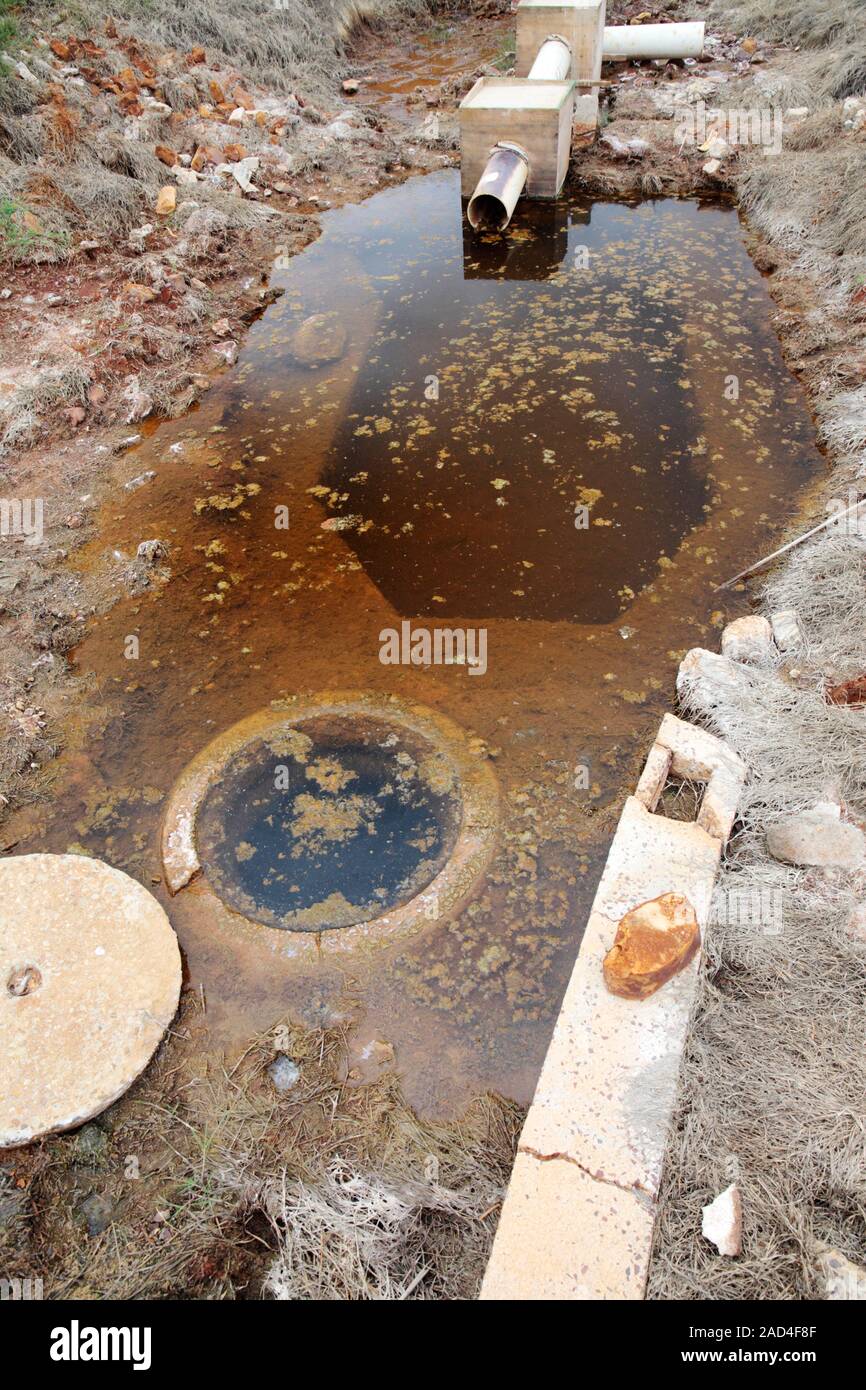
(531,438)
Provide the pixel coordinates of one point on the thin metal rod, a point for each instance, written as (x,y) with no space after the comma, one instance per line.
(822,526)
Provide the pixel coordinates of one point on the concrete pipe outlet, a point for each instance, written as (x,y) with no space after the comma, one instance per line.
(497,191)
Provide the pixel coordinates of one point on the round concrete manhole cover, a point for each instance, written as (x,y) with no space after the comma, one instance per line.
(90,978)
(332,813)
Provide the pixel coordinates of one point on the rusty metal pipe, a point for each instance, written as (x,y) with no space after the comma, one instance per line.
(496,193)
(552,61)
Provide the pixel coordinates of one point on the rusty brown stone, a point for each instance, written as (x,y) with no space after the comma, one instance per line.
(653,942)
(165,155)
(851,692)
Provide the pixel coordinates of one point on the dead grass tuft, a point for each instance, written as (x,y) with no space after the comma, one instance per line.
(326,1190)
(813,204)
(279,47)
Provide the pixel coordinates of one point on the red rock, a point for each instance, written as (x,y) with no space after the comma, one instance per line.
(851,692)
(128,79)
(196,55)
(653,942)
(232,153)
(217,93)
(143,293)
(60,50)
(166,155)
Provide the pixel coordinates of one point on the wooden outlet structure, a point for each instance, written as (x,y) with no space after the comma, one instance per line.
(579,22)
(536,116)
(515,132)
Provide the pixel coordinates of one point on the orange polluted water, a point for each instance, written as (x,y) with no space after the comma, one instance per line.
(540,439)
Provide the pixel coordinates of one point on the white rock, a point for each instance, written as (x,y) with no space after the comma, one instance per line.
(242,171)
(749,639)
(712,167)
(796,113)
(238,116)
(26,75)
(706,680)
(817,839)
(787,630)
(228,350)
(856,924)
(722,1221)
(717,148)
(843,1280)
(626,149)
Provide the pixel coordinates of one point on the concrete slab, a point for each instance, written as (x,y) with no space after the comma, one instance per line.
(542,1250)
(607,1087)
(578,1216)
(90,978)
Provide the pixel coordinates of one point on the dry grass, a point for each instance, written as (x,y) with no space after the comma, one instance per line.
(831,33)
(774,1071)
(327,1190)
(301,41)
(812,203)
(22,412)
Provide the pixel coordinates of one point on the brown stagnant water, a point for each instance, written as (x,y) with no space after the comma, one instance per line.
(559,388)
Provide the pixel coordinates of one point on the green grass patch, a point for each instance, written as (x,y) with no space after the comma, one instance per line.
(24,238)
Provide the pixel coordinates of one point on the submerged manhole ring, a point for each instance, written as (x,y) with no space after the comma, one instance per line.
(90,973)
(348,816)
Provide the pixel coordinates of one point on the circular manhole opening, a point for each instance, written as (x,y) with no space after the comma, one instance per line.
(329,823)
(344,818)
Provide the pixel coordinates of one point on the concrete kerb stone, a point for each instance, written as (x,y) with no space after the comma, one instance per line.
(578,1217)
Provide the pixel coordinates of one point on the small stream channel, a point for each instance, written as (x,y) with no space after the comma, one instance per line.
(538,438)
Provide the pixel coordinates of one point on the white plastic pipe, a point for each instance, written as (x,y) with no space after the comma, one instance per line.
(654,40)
(552,61)
(499,187)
